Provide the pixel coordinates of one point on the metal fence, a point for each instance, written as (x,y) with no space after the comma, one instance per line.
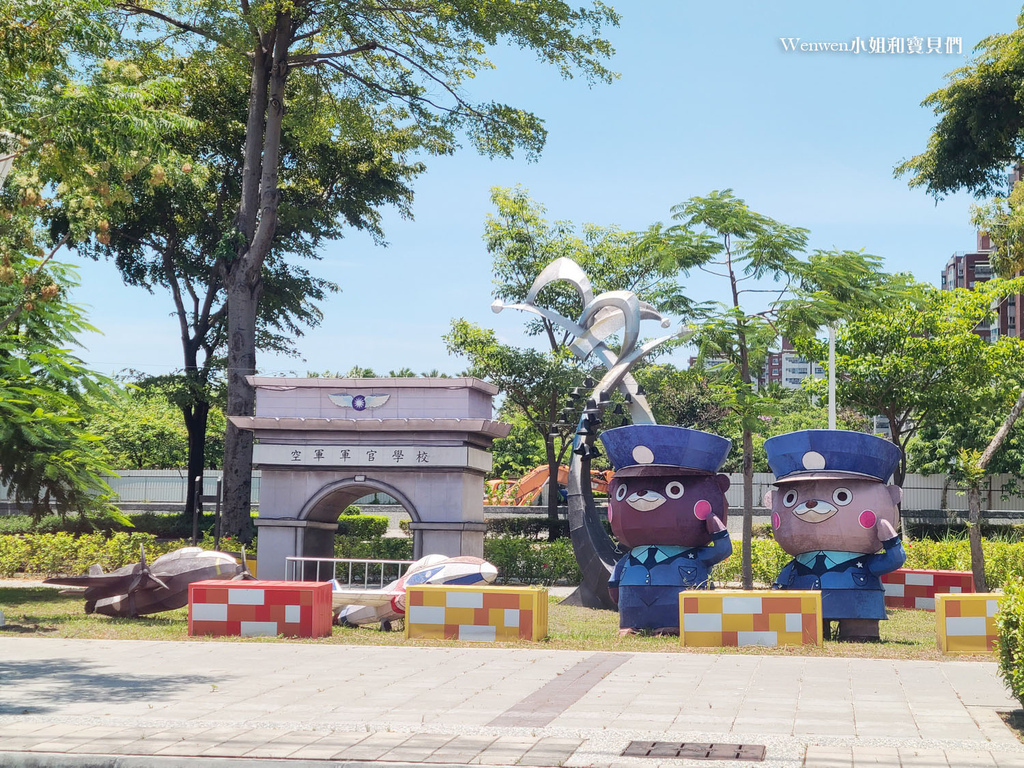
(926,493)
(355,572)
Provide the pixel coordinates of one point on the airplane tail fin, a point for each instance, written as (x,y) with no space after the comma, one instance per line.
(245,573)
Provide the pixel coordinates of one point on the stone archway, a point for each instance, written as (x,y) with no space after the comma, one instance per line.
(322,443)
(327,505)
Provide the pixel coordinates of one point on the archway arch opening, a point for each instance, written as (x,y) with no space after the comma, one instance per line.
(326,506)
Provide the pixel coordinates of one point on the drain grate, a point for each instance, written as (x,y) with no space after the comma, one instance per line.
(693,751)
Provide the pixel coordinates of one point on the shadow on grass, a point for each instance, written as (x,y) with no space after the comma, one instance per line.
(21,595)
(39,686)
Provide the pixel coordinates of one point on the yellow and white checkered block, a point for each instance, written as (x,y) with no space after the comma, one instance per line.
(480,614)
(966,623)
(735,617)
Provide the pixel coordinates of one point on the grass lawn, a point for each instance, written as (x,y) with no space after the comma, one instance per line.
(42,612)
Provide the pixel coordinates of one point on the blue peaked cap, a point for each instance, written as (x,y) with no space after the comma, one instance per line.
(662,444)
(831,452)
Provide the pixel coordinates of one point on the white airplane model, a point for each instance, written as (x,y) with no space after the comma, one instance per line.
(356,606)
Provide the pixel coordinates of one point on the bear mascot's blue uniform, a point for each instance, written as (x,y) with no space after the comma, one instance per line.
(834,513)
(667,505)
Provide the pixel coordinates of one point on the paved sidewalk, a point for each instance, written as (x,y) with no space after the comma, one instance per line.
(62,701)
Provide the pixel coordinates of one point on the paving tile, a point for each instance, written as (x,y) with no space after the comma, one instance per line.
(828,757)
(975,759)
(284,745)
(372,747)
(504,751)
(878,757)
(923,758)
(330,745)
(416,748)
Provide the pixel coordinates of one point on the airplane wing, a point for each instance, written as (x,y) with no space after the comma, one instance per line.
(368,597)
(89,581)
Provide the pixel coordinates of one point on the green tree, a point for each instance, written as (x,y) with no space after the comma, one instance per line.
(521,451)
(685,398)
(48,458)
(533,385)
(77,125)
(169,238)
(140,431)
(754,254)
(981,122)
(396,64)
(919,361)
(522,243)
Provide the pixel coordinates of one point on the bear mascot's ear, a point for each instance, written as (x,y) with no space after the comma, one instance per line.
(896,493)
(723,482)
(767,500)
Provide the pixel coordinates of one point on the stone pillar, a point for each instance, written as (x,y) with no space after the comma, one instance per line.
(279,539)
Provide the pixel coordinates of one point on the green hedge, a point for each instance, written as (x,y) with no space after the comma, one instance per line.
(362,526)
(533,527)
(767,559)
(1010,622)
(54,554)
(517,559)
(1003,560)
(532,562)
(372,549)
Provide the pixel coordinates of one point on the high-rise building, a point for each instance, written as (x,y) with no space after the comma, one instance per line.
(788,369)
(966,270)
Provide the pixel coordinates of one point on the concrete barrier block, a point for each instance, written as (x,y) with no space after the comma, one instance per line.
(477,614)
(724,617)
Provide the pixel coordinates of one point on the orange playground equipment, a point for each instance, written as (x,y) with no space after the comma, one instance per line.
(524,491)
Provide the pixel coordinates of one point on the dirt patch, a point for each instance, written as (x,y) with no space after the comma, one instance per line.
(1014,720)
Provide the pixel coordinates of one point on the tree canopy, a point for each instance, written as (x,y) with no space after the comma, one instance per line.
(980,132)
(370,66)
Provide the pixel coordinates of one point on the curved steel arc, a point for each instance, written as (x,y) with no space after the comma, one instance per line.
(562,269)
(602,317)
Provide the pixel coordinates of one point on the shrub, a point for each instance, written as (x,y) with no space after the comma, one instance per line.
(1010,622)
(373,549)
(767,560)
(533,527)
(52,554)
(362,526)
(532,562)
(163,526)
(1004,560)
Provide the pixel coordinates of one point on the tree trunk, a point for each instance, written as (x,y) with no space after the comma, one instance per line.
(554,529)
(257,223)
(974,495)
(196,417)
(748,508)
(242,302)
(977,554)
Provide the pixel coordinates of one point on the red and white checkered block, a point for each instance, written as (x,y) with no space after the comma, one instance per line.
(910,588)
(260,608)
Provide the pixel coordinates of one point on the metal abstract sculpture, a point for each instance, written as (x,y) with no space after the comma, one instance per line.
(834,513)
(139,589)
(603,316)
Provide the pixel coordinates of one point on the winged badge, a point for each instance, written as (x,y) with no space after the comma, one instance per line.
(359,402)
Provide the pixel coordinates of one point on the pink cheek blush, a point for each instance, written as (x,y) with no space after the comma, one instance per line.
(776,520)
(702,509)
(867,519)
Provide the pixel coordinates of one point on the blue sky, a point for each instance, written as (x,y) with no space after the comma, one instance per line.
(708,99)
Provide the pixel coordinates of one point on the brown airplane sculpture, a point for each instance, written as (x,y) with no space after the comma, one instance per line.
(136,590)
